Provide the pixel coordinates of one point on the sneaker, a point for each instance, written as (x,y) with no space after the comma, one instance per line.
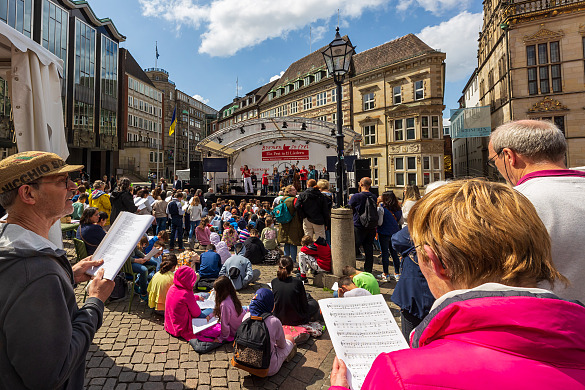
(383,277)
(397,277)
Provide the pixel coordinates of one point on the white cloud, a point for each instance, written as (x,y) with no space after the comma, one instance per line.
(201,99)
(277,76)
(434,6)
(232,25)
(458,38)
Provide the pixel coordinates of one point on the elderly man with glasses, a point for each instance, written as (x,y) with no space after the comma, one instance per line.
(530,155)
(44,336)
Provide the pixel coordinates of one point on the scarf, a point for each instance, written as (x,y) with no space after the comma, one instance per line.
(263,302)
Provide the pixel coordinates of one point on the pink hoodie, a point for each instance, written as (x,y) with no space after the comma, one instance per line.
(504,340)
(181,305)
(220,247)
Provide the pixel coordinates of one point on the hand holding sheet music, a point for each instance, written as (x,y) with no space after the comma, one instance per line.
(360,329)
(120,241)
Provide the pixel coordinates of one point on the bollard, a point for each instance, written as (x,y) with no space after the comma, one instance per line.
(342,240)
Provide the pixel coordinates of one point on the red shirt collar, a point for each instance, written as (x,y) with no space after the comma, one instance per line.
(549,173)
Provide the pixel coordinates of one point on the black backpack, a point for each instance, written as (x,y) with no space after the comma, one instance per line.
(369,218)
(252,346)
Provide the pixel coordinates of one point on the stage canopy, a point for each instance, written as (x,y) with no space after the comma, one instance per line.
(230,141)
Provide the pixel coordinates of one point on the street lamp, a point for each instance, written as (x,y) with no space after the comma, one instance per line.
(338,60)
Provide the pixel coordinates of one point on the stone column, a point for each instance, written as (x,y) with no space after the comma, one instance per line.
(342,240)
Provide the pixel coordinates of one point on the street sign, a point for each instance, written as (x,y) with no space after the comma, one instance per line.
(471,122)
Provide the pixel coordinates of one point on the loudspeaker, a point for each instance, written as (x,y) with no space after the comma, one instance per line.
(361,168)
(196,173)
(375,191)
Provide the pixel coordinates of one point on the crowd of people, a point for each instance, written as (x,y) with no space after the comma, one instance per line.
(276,180)
(488,275)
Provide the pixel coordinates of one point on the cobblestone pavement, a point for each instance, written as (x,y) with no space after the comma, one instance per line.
(133,351)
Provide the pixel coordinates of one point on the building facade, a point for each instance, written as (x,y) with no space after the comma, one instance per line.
(531,66)
(140,125)
(88,47)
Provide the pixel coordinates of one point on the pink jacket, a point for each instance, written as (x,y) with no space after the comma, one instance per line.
(490,340)
(203,235)
(181,305)
(230,320)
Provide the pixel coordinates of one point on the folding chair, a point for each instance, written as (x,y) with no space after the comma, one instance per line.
(80,249)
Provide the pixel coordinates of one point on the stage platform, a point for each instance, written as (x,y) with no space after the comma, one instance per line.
(240,195)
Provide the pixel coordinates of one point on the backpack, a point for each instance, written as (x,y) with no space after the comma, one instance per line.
(281,212)
(369,218)
(252,347)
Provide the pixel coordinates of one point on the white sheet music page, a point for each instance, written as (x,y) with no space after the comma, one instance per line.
(361,328)
(120,241)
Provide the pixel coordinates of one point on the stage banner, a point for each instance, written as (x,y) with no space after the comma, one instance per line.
(471,122)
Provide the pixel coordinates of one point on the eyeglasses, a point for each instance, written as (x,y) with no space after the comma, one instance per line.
(492,161)
(66,182)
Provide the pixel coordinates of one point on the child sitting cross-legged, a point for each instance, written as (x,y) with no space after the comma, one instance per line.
(314,255)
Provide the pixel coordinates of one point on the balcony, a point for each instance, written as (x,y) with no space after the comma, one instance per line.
(156,70)
(518,7)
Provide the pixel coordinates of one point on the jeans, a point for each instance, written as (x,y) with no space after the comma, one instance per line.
(161,224)
(328,235)
(265,188)
(291,250)
(178,230)
(408,323)
(143,276)
(365,237)
(194,224)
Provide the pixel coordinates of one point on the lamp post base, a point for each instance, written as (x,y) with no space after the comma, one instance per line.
(342,240)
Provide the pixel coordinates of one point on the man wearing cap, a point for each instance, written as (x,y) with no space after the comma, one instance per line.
(44,336)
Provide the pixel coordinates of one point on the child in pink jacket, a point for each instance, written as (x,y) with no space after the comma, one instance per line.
(181,304)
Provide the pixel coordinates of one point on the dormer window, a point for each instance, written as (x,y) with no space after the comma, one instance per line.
(308,79)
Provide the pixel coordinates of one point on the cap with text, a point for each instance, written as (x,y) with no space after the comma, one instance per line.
(26,167)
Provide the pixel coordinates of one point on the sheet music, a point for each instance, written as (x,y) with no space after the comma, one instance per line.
(206,304)
(120,241)
(200,324)
(361,328)
(154,251)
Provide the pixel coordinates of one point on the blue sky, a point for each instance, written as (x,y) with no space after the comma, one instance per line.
(206,45)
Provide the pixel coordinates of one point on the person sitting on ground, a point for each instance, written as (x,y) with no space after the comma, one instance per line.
(229,312)
(162,237)
(230,235)
(490,320)
(79,206)
(238,269)
(347,288)
(80,190)
(210,263)
(243,222)
(102,219)
(315,256)
(139,263)
(254,221)
(255,251)
(181,304)
(293,306)
(220,247)
(362,279)
(245,233)
(261,220)
(202,233)
(88,230)
(283,348)
(268,235)
(160,283)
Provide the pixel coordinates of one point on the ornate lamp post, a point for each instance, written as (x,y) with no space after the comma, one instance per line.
(338,60)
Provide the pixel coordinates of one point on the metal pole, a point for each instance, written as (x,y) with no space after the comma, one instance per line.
(158,155)
(340,148)
(175,155)
(188,138)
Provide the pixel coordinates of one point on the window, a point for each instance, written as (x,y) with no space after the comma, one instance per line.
(557,120)
(419,92)
(334,118)
(18,15)
(84,74)
(397,94)
(544,69)
(410,132)
(293,107)
(374,165)
(370,135)
(321,98)
(307,103)
(368,101)
(54,35)
(429,127)
(398,130)
(284,110)
(334,95)
(424,127)
(435,127)
(404,173)
(307,80)
(431,169)
(322,118)
(298,84)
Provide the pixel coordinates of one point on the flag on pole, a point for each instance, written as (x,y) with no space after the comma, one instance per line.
(173,122)
(156,49)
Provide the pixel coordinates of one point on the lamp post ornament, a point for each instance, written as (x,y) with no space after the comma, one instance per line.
(337,57)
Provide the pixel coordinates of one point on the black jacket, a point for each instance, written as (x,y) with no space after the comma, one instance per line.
(210,197)
(255,250)
(121,201)
(312,204)
(291,305)
(44,336)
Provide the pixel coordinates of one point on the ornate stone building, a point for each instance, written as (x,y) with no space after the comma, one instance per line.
(531,65)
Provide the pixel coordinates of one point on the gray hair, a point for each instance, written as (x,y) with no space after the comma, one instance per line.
(535,139)
(7,198)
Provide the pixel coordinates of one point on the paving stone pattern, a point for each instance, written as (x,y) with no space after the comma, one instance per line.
(133,351)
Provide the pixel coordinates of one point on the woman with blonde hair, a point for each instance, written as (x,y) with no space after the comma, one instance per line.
(484,251)
(410,196)
(195,209)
